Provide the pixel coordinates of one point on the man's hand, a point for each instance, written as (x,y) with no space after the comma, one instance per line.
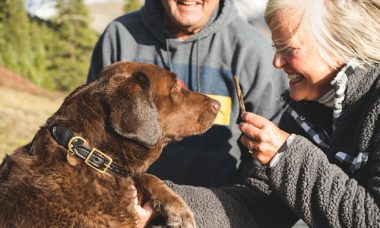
(262,137)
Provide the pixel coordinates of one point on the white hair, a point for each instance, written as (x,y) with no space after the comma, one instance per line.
(344,29)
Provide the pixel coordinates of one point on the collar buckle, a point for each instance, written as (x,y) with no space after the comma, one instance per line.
(96,154)
(77,147)
(93,158)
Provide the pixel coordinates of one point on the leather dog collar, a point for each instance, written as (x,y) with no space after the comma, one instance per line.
(94,158)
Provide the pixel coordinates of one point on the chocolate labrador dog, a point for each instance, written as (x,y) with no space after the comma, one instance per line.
(81,167)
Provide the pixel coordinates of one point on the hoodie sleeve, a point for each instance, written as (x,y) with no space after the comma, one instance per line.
(321,193)
(105,51)
(99,59)
(262,84)
(264,94)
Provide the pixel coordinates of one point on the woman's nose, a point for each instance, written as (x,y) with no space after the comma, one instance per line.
(278,60)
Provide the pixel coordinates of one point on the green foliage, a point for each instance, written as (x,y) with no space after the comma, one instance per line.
(53,54)
(16,43)
(132,5)
(74,44)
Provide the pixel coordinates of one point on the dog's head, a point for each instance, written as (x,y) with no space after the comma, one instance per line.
(148,105)
(136,107)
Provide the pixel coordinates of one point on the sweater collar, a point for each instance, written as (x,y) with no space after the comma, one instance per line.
(327,99)
(360,82)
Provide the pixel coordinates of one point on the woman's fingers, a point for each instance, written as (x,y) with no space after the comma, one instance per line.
(255,120)
(250,143)
(255,126)
(250,130)
(262,137)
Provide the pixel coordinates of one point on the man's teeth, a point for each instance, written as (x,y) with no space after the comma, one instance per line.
(188,3)
(294,77)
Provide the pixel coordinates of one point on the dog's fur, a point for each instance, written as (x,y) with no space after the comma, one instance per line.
(130,114)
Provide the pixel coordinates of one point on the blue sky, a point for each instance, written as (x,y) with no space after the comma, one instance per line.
(45,8)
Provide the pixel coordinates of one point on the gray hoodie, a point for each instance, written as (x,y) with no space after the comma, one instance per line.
(205,63)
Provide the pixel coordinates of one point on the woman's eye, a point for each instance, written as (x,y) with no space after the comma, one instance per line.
(288,50)
(285,51)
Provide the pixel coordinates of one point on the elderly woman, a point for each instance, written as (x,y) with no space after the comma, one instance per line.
(323,164)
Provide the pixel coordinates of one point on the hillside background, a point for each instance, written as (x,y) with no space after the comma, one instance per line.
(24,107)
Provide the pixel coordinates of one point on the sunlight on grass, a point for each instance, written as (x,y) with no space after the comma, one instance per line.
(21,115)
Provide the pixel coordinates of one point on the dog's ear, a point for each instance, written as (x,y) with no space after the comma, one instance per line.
(133,114)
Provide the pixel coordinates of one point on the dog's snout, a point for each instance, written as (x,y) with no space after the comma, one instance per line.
(215,106)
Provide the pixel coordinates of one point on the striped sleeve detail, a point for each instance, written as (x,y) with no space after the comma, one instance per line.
(319,137)
(355,162)
(339,83)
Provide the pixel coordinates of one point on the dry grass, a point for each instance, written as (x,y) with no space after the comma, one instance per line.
(21,115)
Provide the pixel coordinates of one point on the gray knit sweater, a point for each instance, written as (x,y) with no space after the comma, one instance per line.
(310,181)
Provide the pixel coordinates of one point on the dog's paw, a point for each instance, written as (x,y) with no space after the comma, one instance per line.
(184,219)
(171,206)
(177,216)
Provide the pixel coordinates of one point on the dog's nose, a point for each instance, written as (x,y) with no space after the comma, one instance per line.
(215,106)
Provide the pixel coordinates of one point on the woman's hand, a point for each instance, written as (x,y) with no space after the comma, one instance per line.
(144,214)
(262,137)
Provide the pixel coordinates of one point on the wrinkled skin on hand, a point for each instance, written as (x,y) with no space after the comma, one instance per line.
(262,137)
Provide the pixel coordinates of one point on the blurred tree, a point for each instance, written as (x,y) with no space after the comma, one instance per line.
(15,37)
(132,5)
(42,36)
(54,54)
(2,28)
(72,49)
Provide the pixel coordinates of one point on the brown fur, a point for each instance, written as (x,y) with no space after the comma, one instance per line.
(130,114)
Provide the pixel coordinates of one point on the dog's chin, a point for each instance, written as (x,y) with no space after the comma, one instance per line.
(175,138)
(187,134)
(205,121)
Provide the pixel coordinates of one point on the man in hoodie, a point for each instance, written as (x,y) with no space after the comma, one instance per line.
(205,43)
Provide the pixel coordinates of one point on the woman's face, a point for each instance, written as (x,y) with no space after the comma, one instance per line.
(309,75)
(189,16)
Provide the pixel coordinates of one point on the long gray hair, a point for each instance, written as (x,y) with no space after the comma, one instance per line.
(344,29)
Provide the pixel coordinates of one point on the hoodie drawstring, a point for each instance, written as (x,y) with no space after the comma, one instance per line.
(197,70)
(168,55)
(197,66)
